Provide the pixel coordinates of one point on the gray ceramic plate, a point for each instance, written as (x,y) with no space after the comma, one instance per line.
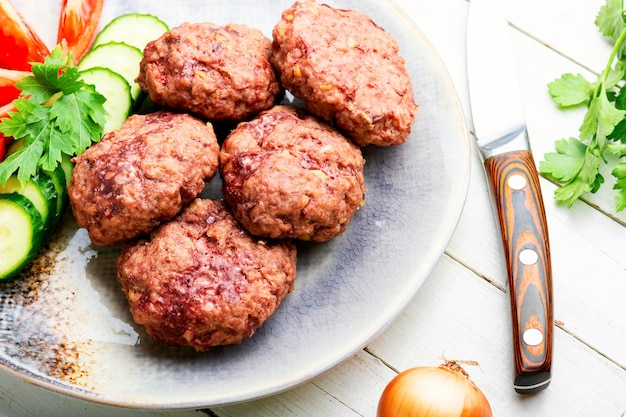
(65,325)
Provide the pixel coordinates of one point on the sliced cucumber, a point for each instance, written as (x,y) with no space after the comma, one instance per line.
(40,191)
(115,89)
(68,167)
(60,185)
(63,170)
(134,29)
(21,232)
(119,57)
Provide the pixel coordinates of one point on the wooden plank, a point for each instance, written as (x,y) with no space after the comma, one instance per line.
(358,383)
(350,389)
(547,123)
(597,277)
(477,242)
(589,265)
(444,23)
(461,316)
(567,26)
(306,401)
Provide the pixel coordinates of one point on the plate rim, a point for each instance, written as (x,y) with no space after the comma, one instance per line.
(78,392)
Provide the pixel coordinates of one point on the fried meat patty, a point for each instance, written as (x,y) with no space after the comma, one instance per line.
(216,72)
(202,281)
(141,175)
(347,70)
(288,175)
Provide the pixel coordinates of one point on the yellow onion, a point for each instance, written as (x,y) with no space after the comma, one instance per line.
(444,391)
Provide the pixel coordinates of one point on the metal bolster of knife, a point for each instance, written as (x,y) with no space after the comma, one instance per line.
(514,139)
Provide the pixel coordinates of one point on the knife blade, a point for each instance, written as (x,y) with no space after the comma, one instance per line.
(501,136)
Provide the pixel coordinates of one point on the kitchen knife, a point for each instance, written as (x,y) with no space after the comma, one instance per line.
(502,138)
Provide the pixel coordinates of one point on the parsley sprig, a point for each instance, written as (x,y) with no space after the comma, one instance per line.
(577,161)
(57,113)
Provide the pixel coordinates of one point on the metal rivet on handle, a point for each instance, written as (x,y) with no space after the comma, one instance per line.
(528,257)
(532,337)
(517,182)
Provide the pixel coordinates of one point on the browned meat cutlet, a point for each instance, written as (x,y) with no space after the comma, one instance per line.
(216,72)
(202,281)
(347,70)
(289,175)
(141,175)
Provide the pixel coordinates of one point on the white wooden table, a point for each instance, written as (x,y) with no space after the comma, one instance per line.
(462,311)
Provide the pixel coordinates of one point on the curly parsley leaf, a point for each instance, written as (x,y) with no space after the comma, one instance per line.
(57,113)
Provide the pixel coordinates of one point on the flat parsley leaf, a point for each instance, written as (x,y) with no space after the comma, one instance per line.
(577,161)
(57,113)
(564,164)
(587,178)
(619,133)
(68,112)
(570,90)
(619,172)
(574,164)
(610,19)
(601,118)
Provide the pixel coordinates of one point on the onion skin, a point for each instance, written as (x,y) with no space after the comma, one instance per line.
(444,391)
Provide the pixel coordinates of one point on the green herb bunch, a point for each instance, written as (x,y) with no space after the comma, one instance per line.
(57,113)
(577,161)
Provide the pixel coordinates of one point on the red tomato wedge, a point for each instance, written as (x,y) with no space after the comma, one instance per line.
(8,78)
(20,44)
(8,94)
(4,141)
(77,25)
(4,144)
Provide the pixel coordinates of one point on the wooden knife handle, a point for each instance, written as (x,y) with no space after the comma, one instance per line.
(515,186)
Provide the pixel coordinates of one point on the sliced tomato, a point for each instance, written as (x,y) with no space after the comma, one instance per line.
(8,78)
(20,44)
(8,94)
(78,24)
(5,141)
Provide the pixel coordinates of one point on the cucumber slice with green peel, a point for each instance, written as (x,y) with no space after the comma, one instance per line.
(21,233)
(68,166)
(119,57)
(116,90)
(60,185)
(62,171)
(135,29)
(40,191)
